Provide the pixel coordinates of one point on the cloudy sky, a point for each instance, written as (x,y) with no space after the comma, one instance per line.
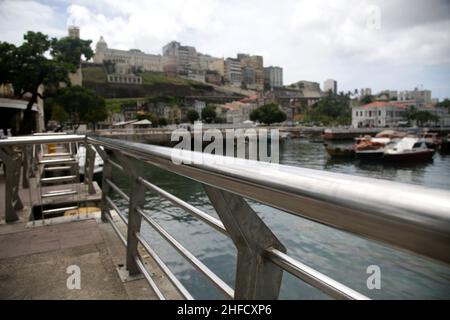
(380,44)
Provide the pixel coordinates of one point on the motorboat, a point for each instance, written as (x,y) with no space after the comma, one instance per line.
(371,148)
(408,149)
(431,139)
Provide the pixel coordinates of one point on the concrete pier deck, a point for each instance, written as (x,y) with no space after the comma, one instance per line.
(34,258)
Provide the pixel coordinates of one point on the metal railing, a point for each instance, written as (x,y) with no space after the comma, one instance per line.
(406,217)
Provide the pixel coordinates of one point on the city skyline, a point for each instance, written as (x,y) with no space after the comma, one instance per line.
(309,40)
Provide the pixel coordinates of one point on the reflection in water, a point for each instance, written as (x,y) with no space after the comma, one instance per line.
(337,254)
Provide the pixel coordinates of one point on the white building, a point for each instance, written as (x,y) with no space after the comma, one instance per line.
(273,76)
(233,72)
(379,114)
(133,58)
(330,85)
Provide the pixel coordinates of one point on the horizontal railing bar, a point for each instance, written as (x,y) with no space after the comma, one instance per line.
(42,139)
(312,277)
(164,268)
(119,212)
(58,210)
(409,217)
(116,229)
(149,279)
(118,190)
(200,266)
(115,164)
(211,221)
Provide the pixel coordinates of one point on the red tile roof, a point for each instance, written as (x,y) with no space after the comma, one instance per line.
(379,104)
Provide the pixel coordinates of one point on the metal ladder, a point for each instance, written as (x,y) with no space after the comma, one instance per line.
(65,162)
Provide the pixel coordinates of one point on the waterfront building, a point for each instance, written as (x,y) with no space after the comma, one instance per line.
(379,114)
(133,58)
(273,76)
(233,72)
(330,85)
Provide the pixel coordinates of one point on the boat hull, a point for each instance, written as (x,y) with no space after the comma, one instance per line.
(370,155)
(410,156)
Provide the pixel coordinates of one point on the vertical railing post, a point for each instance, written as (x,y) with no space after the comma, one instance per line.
(134,169)
(12,164)
(256,277)
(89,166)
(107,174)
(26,168)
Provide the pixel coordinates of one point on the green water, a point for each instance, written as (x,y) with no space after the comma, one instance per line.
(341,256)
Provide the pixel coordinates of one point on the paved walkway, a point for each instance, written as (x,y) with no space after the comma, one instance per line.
(34,262)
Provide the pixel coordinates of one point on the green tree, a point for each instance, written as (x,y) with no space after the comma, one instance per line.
(80,104)
(268,114)
(162,122)
(331,109)
(209,114)
(27,67)
(192,115)
(444,104)
(367,99)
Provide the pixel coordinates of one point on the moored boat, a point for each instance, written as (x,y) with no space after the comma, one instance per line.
(340,151)
(431,139)
(408,149)
(370,148)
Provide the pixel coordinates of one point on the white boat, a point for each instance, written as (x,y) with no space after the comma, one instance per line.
(408,149)
(98,163)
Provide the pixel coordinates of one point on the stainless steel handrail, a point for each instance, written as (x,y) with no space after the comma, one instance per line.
(313,277)
(219,283)
(209,220)
(29,140)
(408,217)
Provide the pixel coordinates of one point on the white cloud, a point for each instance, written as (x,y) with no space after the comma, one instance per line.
(19,16)
(311,40)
